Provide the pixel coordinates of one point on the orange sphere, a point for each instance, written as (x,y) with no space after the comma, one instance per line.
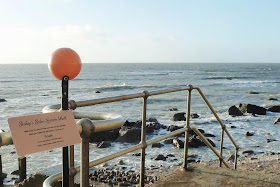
(65,62)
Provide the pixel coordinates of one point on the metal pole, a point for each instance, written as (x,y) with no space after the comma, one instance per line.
(22,168)
(87,130)
(143,140)
(84,162)
(65,156)
(1,171)
(235,158)
(221,145)
(72,166)
(186,145)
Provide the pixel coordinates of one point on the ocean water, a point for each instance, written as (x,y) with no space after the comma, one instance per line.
(28,88)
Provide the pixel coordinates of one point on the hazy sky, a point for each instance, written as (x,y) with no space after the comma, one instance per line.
(141,30)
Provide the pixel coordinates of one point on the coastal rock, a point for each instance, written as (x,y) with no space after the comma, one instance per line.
(130,135)
(158,145)
(253,92)
(209,135)
(249,133)
(195,142)
(248,152)
(173,109)
(194,116)
(172,128)
(179,116)
(270,140)
(111,135)
(136,124)
(191,132)
(253,109)
(168,141)
(3,100)
(275,108)
(160,157)
(234,111)
(178,143)
(272,99)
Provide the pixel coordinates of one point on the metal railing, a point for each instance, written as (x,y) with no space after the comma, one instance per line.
(87,127)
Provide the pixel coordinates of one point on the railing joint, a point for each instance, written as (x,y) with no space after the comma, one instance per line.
(72,104)
(144,144)
(191,87)
(147,94)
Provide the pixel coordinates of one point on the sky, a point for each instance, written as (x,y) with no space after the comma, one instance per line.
(115,31)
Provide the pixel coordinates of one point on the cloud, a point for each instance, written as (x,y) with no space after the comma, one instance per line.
(33,45)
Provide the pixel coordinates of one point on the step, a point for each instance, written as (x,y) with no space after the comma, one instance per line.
(201,175)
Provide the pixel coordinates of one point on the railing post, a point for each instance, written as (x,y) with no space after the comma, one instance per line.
(143,139)
(235,158)
(222,144)
(87,130)
(22,168)
(186,145)
(72,166)
(1,171)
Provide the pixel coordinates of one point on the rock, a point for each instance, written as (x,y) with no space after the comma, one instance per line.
(231,158)
(179,116)
(173,109)
(178,143)
(172,128)
(233,127)
(270,140)
(253,109)
(170,155)
(3,100)
(111,135)
(209,135)
(103,144)
(121,162)
(152,126)
(191,132)
(160,157)
(158,145)
(130,135)
(35,181)
(97,91)
(136,154)
(152,120)
(252,92)
(194,116)
(277,120)
(248,152)
(274,109)
(249,134)
(195,142)
(136,124)
(168,141)
(272,99)
(234,111)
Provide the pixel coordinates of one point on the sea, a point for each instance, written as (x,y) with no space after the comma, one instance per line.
(28,88)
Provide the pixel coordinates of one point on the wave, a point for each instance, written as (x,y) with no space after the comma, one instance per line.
(226,77)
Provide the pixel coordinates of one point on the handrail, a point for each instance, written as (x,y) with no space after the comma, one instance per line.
(106,121)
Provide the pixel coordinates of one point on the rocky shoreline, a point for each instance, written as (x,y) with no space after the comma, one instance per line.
(269,164)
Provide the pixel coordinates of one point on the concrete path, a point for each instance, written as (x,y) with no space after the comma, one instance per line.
(215,176)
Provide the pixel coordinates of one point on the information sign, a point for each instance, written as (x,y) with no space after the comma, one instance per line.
(36,133)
